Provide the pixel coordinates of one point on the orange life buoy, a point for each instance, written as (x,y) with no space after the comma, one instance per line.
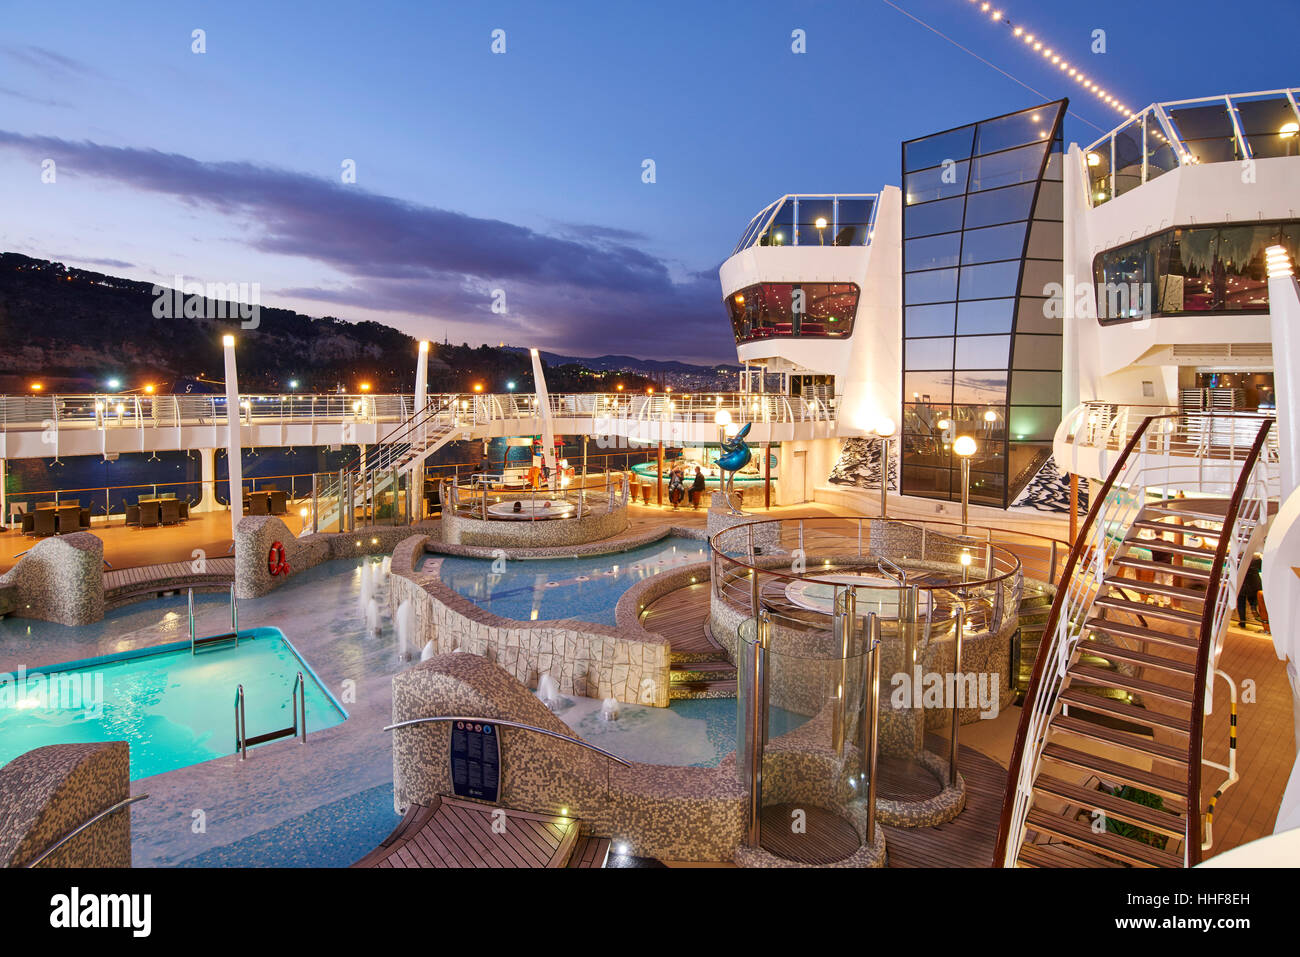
(276,563)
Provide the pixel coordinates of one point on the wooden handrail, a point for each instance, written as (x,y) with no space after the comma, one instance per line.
(1193,850)
(1053,618)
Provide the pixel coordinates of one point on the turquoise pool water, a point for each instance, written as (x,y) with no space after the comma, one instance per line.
(584,587)
(173,708)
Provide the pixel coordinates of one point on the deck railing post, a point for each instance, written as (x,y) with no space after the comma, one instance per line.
(755,718)
(870,724)
(960,622)
(315,503)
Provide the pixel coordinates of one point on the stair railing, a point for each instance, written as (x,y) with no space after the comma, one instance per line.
(1090,556)
(1247,508)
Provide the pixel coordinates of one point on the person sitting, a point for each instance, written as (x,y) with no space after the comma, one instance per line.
(676,488)
(517,507)
(697,488)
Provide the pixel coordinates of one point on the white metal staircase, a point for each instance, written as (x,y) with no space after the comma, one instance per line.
(381,471)
(1106,769)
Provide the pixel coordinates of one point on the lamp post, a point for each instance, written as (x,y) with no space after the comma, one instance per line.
(885,430)
(964,447)
(722,419)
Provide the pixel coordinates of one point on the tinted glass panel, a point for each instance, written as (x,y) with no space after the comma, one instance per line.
(816,220)
(1034,423)
(804,310)
(985,316)
(936,286)
(1042,277)
(1036,388)
(1036,352)
(933,150)
(1161,155)
(1007,169)
(1046,240)
(990,281)
(982,352)
(855,218)
(1270,127)
(1032,315)
(1128,157)
(781,231)
(1206,131)
(994,243)
(999,206)
(928,320)
(940,217)
(930,387)
(928,354)
(940,182)
(932,252)
(1015,130)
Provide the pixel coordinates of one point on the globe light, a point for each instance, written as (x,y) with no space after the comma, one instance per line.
(964,446)
(886,427)
(722,418)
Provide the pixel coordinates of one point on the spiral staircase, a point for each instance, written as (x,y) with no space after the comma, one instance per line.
(1107,764)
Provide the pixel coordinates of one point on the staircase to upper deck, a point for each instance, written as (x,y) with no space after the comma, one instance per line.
(1107,765)
(400,453)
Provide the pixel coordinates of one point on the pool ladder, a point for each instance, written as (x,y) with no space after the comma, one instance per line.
(242,740)
(231,635)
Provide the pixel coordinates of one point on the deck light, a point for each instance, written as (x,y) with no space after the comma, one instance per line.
(365,387)
(149,388)
(1278,262)
(722,418)
(228,341)
(1289,130)
(965,448)
(424,346)
(37,386)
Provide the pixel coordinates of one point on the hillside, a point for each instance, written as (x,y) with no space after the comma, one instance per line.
(74,329)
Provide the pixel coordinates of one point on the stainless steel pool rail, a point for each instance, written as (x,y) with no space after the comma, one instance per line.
(296,730)
(232,635)
(89,822)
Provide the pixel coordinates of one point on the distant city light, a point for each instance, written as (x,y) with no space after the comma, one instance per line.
(365,387)
(149,388)
(478,386)
(114,383)
(511,385)
(293,383)
(37,386)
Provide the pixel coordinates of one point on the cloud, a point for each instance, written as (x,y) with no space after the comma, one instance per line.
(50,63)
(585,287)
(107,263)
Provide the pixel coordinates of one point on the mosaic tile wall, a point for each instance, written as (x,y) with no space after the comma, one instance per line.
(591,527)
(48,792)
(591,660)
(60,579)
(674,813)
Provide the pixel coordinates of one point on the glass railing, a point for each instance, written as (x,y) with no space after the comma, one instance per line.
(813,219)
(1166,136)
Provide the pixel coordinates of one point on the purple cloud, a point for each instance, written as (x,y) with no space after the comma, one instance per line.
(586,289)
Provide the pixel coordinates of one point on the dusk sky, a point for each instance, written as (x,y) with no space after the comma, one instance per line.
(522,171)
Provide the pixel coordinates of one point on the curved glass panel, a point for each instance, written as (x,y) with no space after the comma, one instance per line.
(823,310)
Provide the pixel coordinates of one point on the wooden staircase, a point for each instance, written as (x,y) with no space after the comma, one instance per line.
(1107,763)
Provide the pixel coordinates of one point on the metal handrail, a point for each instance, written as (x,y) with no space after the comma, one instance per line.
(82,826)
(1207,637)
(508,724)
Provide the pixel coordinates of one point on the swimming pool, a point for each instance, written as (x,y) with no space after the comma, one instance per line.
(583,587)
(174,709)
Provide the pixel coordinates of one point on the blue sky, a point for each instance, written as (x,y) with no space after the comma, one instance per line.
(522,171)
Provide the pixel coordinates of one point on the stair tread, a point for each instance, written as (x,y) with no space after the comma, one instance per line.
(1157,525)
(1133,656)
(1176,508)
(1124,711)
(1093,675)
(1161,546)
(1120,739)
(1106,768)
(1142,634)
(1114,845)
(1142,608)
(1179,571)
(1173,591)
(1155,819)
(1061,855)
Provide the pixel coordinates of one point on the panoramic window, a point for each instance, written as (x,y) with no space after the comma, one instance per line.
(813,310)
(1187,271)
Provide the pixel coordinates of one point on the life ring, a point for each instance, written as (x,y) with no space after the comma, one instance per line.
(276,563)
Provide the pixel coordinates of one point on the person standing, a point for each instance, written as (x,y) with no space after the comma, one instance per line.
(697,488)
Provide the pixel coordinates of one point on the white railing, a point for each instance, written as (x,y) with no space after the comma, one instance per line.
(1148,467)
(38,412)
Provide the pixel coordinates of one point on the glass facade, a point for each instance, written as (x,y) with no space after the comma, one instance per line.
(1190,270)
(1165,136)
(792,310)
(813,220)
(982,241)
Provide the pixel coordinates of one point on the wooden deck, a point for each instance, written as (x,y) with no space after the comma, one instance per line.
(144,579)
(454,834)
(826,837)
(590,851)
(681,617)
(968,839)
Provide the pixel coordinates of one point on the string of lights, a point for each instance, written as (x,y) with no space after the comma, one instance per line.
(1037,44)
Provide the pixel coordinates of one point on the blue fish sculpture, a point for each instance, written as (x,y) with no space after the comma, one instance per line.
(736,453)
